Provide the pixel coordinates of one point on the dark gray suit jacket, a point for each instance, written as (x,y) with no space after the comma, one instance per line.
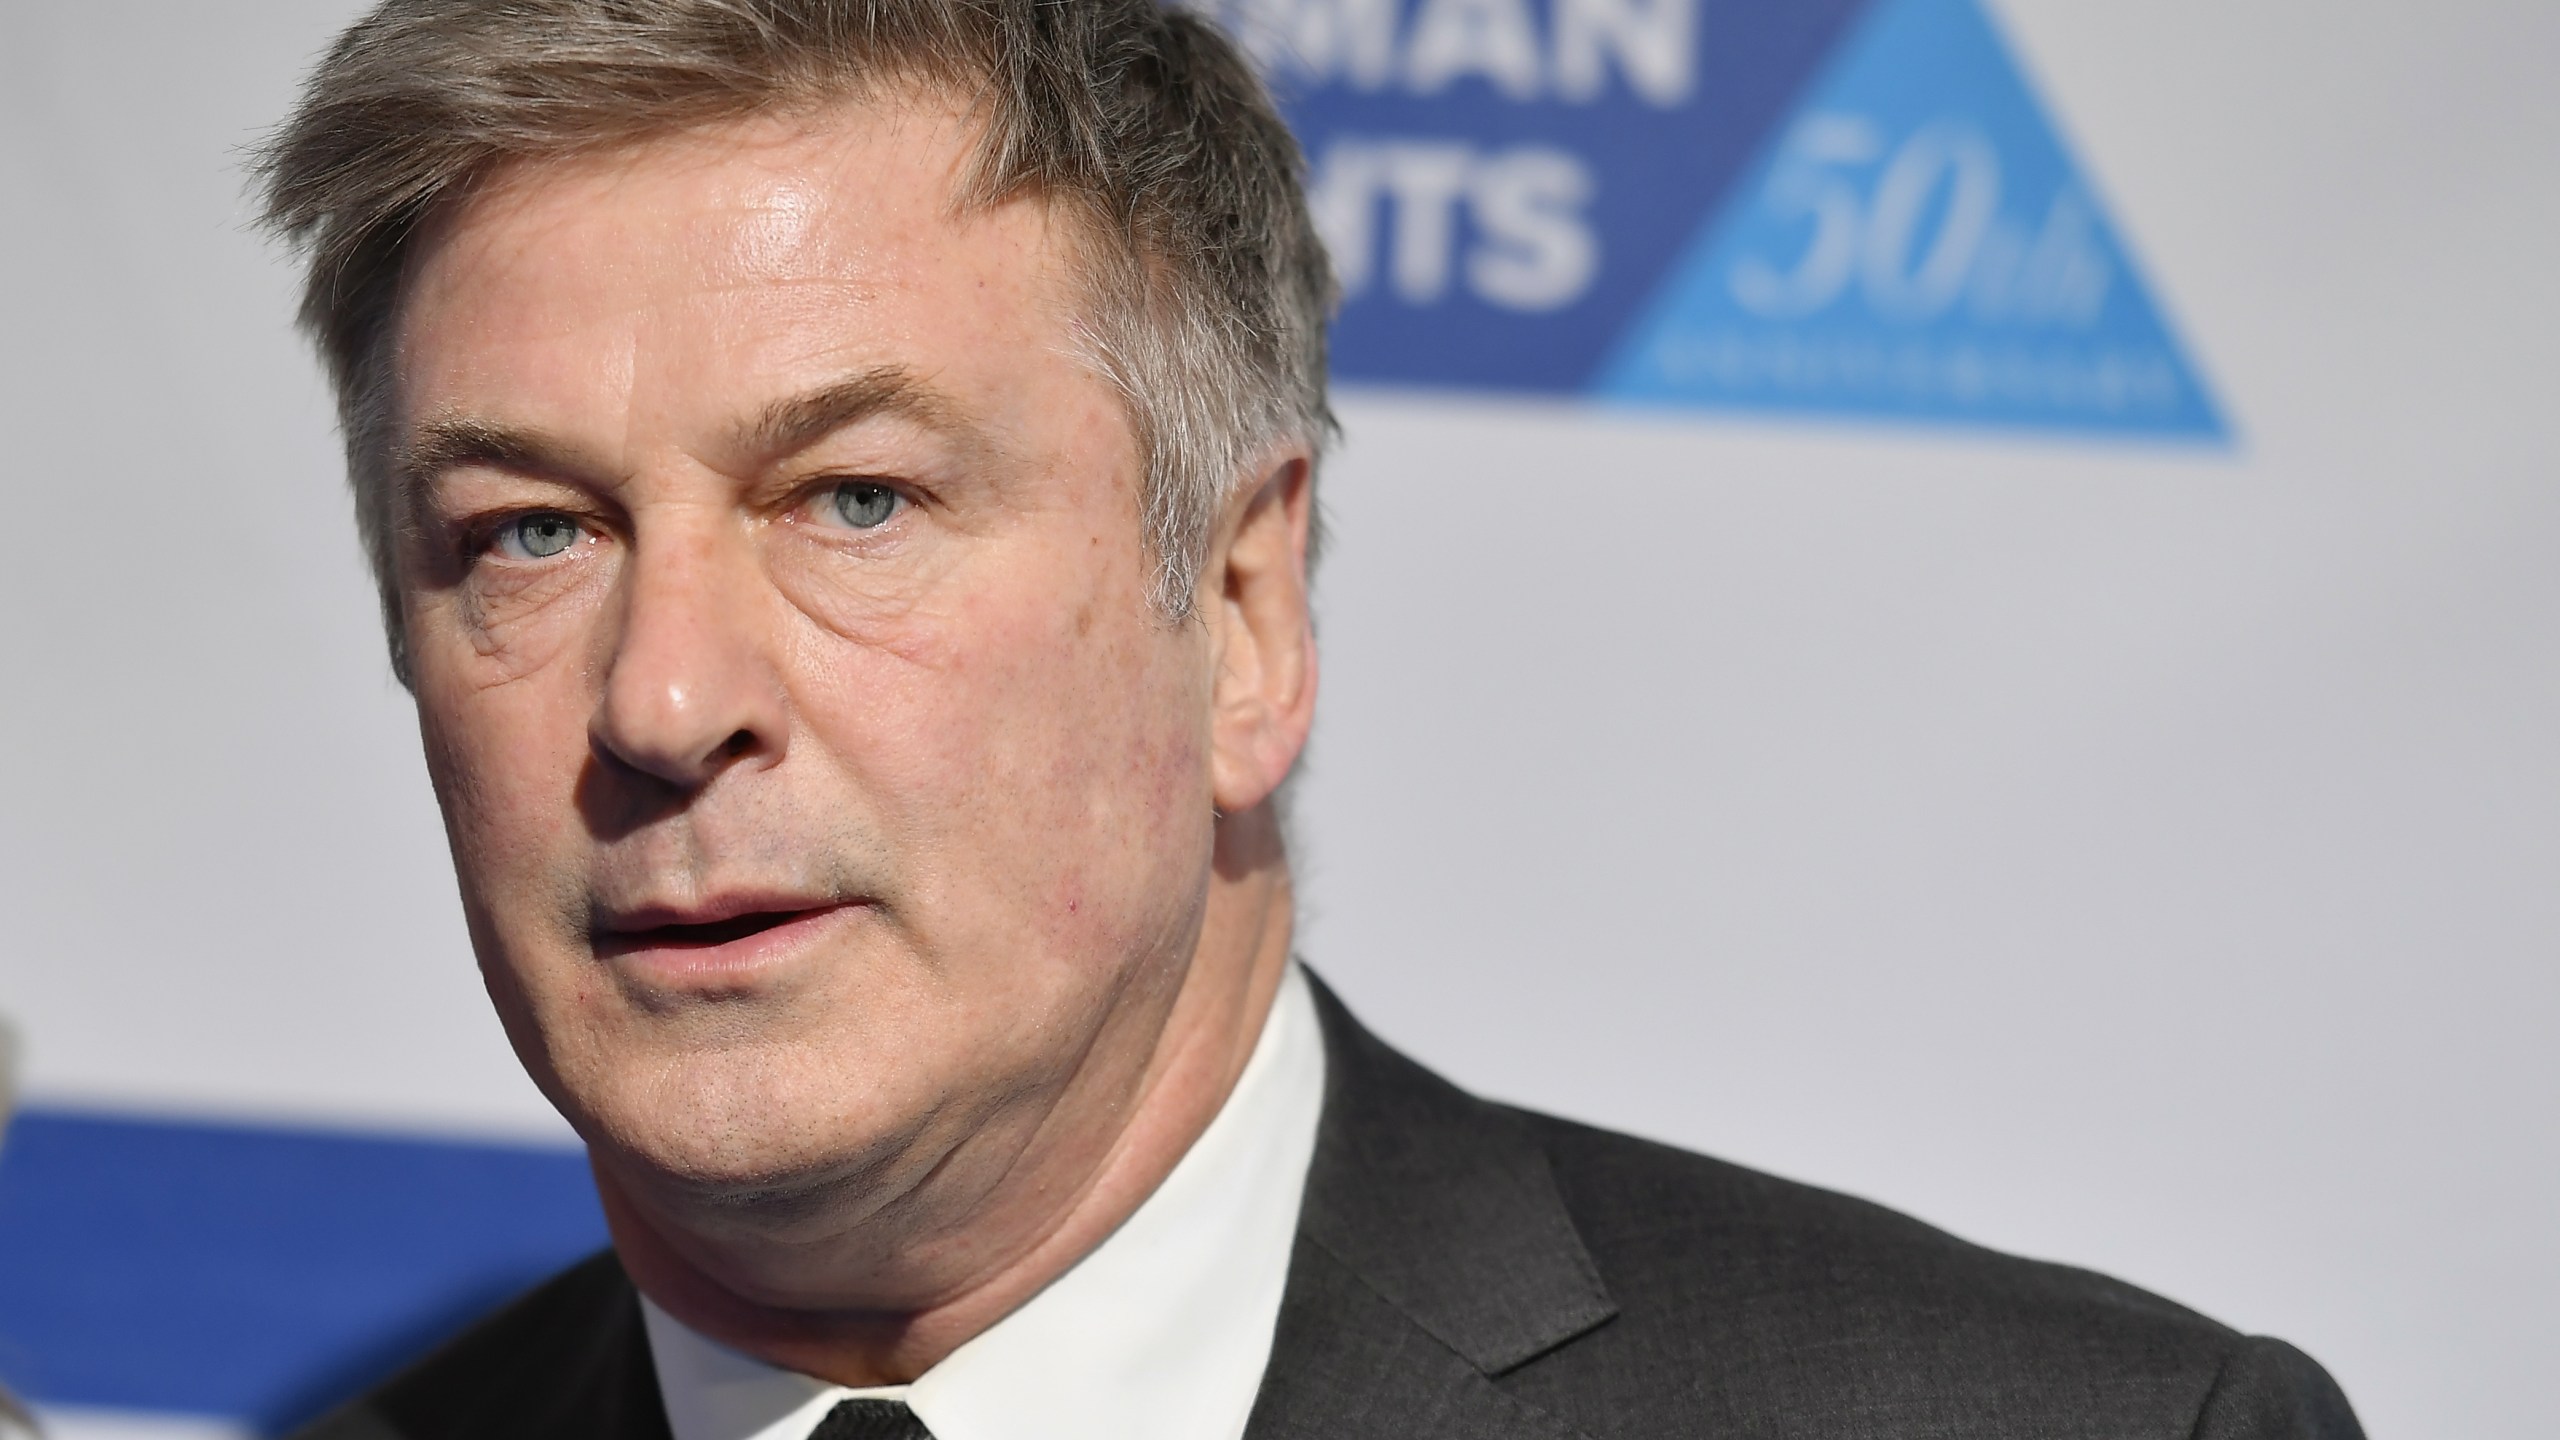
(1466,1271)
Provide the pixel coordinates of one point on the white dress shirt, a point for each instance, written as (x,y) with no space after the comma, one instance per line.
(1161,1333)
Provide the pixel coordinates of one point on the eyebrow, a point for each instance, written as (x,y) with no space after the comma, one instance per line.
(441,445)
(792,425)
(782,428)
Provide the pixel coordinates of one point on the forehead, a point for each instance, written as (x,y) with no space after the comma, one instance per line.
(678,279)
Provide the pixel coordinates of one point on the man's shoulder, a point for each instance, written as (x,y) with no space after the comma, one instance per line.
(1623,1288)
(568,1357)
(1710,1232)
(1745,1297)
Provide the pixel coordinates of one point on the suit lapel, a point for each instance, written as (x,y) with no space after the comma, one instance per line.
(1348,1363)
(1433,1254)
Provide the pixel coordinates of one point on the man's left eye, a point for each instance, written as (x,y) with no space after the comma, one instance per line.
(862,504)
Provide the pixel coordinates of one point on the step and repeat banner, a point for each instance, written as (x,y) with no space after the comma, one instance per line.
(1853,208)
(1955,598)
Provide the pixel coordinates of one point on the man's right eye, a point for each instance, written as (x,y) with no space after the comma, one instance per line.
(534,537)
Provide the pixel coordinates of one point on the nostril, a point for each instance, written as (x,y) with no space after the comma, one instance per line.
(738,744)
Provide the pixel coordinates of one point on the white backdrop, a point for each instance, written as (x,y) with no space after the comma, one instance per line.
(2145,858)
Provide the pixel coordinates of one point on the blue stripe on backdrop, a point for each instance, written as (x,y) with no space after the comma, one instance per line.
(260,1274)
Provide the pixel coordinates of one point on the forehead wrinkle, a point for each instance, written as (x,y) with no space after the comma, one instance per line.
(759,243)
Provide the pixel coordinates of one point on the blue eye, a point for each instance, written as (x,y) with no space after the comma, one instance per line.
(535,537)
(863,504)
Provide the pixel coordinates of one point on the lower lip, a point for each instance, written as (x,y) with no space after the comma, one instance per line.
(691,964)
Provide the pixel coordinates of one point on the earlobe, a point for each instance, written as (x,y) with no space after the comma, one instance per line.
(1264,695)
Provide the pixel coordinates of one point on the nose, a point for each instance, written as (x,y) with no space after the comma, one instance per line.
(690,688)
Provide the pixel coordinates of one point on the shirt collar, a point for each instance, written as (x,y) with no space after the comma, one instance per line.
(1161,1333)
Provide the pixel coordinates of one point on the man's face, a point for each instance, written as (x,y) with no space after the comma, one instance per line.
(824,790)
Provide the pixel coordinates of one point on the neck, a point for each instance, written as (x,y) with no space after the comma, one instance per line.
(1030,1229)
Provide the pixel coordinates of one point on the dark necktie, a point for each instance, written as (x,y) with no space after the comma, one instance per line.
(871,1420)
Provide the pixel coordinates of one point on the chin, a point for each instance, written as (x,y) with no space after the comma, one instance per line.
(745,1131)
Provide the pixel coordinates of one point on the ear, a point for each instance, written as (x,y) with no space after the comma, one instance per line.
(1253,596)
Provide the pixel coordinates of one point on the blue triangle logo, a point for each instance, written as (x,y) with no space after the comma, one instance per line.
(1916,244)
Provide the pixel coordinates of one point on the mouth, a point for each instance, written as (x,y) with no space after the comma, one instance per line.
(712,940)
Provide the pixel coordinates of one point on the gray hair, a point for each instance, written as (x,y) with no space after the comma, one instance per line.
(1207,287)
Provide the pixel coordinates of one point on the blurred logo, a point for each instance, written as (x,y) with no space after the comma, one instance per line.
(1851,208)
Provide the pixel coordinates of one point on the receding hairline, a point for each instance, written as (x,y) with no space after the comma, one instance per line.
(802,109)
(1086,241)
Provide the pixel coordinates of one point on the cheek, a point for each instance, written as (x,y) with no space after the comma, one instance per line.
(504,761)
(504,691)
(1111,743)
(1042,746)
(1105,738)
